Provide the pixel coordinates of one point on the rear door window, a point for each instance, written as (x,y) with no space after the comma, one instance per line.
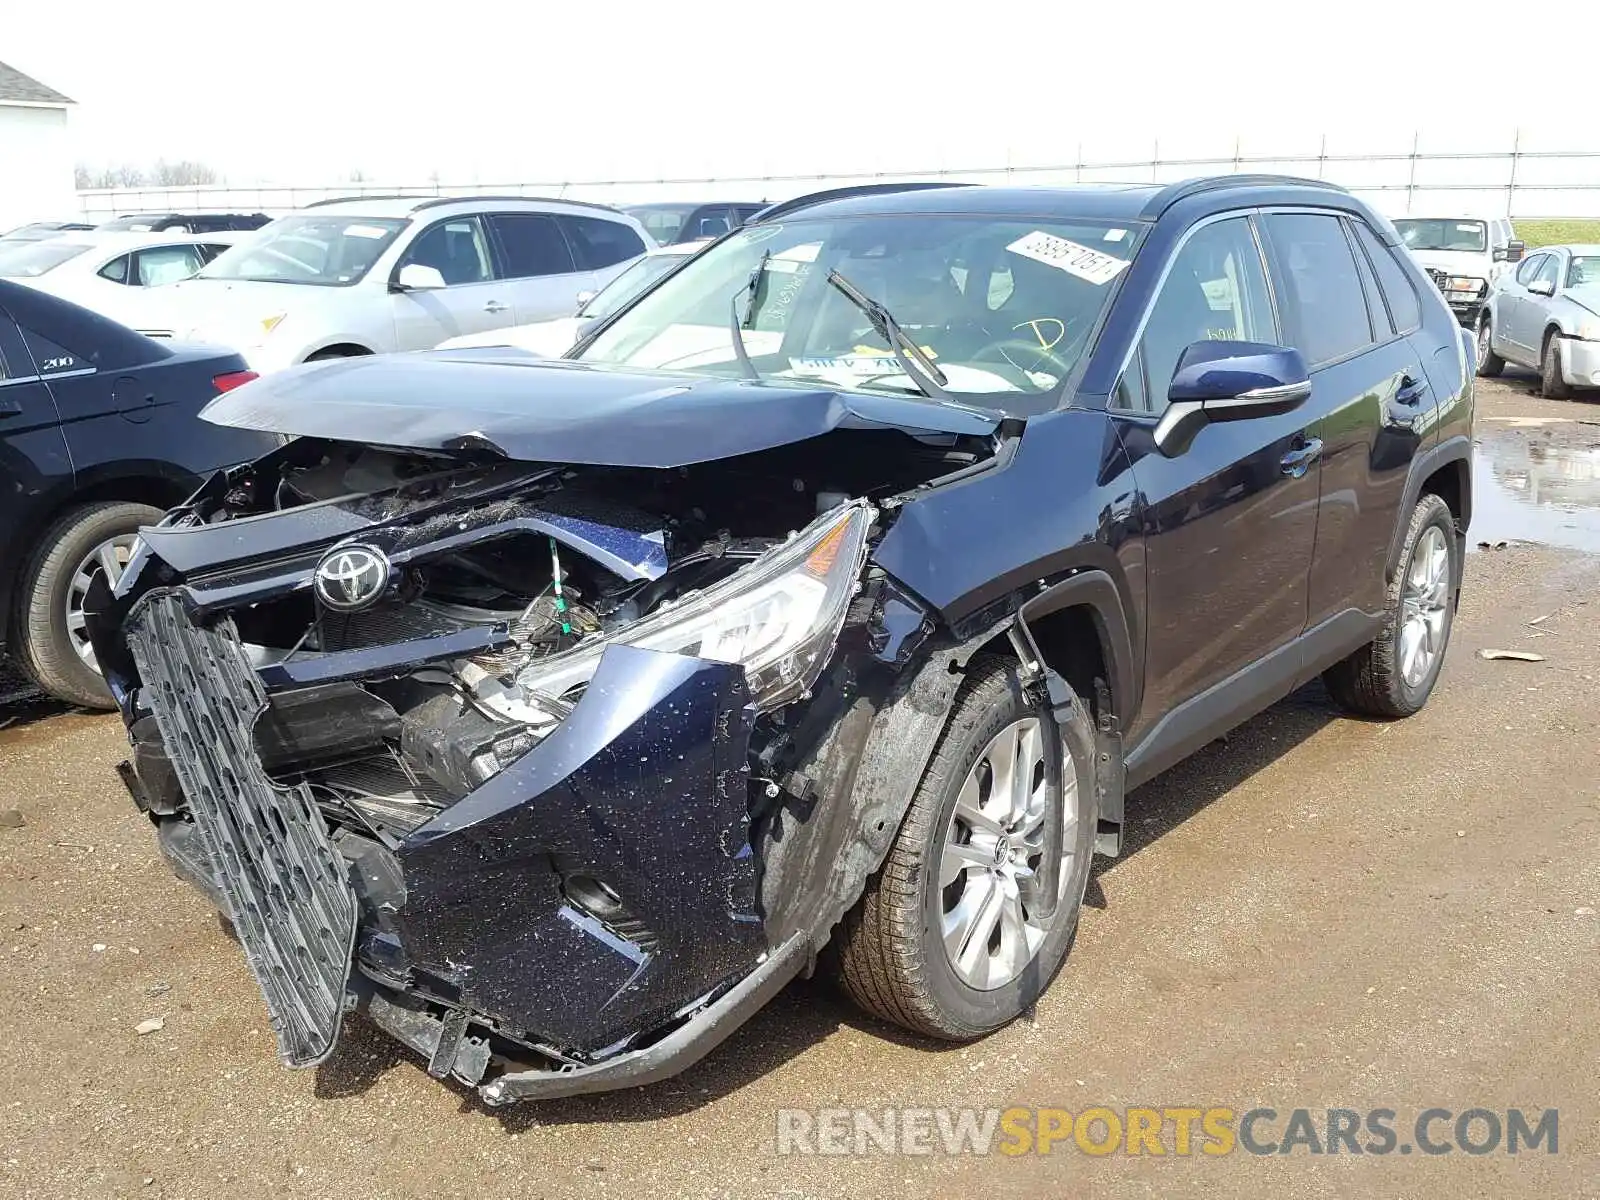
(598,243)
(166,264)
(1401,297)
(1325,308)
(531,244)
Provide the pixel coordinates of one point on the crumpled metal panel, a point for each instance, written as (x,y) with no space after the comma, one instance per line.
(276,866)
(645,787)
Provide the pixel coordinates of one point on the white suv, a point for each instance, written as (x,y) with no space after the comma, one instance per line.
(365,276)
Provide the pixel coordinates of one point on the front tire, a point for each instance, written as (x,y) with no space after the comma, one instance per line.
(1490,364)
(52,645)
(951,938)
(1552,385)
(1393,675)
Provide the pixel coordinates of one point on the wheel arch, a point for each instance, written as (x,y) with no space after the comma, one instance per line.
(155,484)
(1444,471)
(338,349)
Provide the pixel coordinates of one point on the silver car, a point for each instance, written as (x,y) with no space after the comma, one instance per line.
(1546,316)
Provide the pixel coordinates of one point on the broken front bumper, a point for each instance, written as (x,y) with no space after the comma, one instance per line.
(475,939)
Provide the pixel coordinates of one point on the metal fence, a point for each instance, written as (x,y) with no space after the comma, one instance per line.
(1514,181)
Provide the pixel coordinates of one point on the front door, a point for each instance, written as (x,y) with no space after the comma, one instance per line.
(1230,521)
(472,300)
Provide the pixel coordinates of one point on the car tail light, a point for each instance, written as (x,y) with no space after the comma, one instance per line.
(229,380)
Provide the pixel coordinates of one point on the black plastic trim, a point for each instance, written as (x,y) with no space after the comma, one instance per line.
(680,1049)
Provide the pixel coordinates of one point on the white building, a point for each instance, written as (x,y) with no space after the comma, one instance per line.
(36,181)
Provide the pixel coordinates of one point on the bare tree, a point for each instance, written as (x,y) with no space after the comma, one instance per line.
(124,176)
(183,173)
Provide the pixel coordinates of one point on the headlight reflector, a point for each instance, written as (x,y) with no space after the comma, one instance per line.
(778,617)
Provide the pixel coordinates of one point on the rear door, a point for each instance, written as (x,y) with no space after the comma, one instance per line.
(539,265)
(34,461)
(473,298)
(1231,520)
(1371,402)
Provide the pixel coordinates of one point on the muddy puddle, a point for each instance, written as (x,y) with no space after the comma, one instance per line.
(1537,482)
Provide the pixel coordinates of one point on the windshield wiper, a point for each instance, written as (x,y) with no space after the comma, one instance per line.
(930,380)
(738,322)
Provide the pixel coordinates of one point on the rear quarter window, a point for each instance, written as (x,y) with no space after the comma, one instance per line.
(598,243)
(1398,293)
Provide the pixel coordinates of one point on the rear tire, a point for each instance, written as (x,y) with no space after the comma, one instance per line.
(47,648)
(1551,383)
(893,955)
(1490,364)
(1383,678)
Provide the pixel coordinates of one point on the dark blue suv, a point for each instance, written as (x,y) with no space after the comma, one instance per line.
(838,589)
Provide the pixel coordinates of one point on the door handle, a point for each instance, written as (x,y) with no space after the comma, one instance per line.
(1299,460)
(494,306)
(10,407)
(1411,390)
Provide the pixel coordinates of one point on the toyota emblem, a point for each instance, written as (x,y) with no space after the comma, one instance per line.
(351,578)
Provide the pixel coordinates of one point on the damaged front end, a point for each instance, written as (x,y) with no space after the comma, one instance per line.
(496,751)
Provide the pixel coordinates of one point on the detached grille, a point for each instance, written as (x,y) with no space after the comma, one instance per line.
(1438,277)
(285,883)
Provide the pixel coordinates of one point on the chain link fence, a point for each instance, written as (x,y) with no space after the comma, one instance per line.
(1513,181)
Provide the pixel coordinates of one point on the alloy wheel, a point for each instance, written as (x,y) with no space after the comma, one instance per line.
(110,556)
(991,919)
(1424,599)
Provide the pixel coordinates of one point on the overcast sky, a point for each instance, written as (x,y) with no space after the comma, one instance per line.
(293,91)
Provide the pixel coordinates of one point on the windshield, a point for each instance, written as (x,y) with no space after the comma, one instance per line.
(29,260)
(629,284)
(663,224)
(1431,233)
(325,250)
(1584,268)
(1000,307)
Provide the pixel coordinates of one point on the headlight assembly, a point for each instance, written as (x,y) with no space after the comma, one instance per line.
(777,617)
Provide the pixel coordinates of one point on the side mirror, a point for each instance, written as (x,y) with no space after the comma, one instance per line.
(1229,381)
(583,299)
(1511,252)
(416,277)
(1541,287)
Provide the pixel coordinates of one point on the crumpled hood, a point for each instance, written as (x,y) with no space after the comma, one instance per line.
(543,410)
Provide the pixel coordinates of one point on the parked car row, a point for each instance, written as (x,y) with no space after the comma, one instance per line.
(834,587)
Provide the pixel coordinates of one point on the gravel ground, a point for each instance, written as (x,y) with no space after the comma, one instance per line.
(1314,912)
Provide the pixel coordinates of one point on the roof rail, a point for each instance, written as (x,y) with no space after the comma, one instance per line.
(785,207)
(436,201)
(1184,188)
(348,199)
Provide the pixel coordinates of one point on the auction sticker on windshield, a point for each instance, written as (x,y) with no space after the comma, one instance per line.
(1093,265)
